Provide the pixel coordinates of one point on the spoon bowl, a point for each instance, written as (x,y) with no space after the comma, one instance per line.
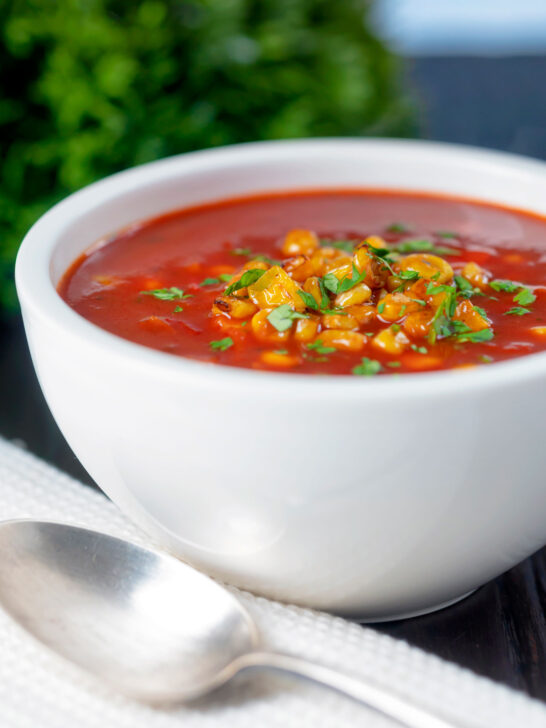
(153,627)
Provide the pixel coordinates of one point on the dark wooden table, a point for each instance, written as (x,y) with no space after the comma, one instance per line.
(500,631)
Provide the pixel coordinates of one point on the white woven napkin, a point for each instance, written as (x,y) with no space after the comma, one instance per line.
(39,690)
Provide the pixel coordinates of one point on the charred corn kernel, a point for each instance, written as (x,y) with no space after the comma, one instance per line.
(354,296)
(539,331)
(306,329)
(418,324)
(421,361)
(280,359)
(428,266)
(475,275)
(342,340)
(301,267)
(234,307)
(376,272)
(312,286)
(264,331)
(469,315)
(395,306)
(364,314)
(299,242)
(274,288)
(333,321)
(391,341)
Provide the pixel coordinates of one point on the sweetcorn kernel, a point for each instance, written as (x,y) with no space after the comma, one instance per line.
(279,359)
(363,314)
(395,306)
(391,341)
(299,242)
(334,321)
(300,267)
(469,315)
(418,324)
(475,275)
(354,296)
(306,329)
(264,331)
(343,340)
(312,287)
(428,266)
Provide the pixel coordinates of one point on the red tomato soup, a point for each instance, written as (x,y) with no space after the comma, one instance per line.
(358,283)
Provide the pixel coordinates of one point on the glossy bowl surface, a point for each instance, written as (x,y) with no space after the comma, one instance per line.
(376,498)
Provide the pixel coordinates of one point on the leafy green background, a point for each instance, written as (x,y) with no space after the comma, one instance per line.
(88,87)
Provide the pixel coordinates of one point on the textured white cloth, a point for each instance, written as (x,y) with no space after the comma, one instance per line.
(39,690)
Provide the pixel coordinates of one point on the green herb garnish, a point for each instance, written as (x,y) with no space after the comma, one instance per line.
(398,227)
(419,349)
(221,344)
(486,359)
(423,246)
(462,284)
(367,368)
(177,309)
(477,336)
(517,311)
(449,234)
(525,297)
(394,364)
(345,284)
(319,347)
(380,307)
(242,251)
(210,282)
(308,299)
(167,294)
(248,277)
(225,277)
(508,286)
(284,316)
(282,352)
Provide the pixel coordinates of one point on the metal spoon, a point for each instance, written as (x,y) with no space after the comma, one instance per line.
(149,625)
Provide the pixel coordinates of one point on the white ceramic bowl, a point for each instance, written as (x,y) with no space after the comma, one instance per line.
(372,498)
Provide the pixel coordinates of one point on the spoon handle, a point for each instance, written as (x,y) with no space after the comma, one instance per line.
(403,711)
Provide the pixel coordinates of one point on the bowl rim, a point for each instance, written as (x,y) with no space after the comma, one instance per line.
(39,296)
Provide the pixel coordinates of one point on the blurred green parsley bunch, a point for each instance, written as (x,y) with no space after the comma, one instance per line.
(88,87)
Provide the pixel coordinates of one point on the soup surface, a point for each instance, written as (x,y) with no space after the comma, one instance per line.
(358,283)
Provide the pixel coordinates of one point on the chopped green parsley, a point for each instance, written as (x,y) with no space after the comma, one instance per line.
(221,344)
(284,316)
(167,294)
(367,368)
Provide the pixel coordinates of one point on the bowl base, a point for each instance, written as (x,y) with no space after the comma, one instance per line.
(418,613)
